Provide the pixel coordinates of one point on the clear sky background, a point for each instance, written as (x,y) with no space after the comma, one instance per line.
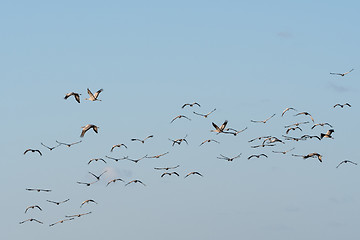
(248,60)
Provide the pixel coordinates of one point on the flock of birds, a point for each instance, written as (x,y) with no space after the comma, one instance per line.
(263,141)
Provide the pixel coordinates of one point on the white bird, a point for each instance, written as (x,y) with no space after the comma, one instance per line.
(94,97)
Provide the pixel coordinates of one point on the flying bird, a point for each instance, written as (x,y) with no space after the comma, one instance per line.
(166,168)
(30,220)
(135,181)
(38,190)
(87,127)
(190,104)
(143,140)
(170,173)
(50,148)
(179,141)
(180,116)
(33,207)
(58,203)
(221,128)
(346,161)
(235,132)
(283,152)
(342,74)
(228,158)
(158,156)
(94,97)
(305,113)
(295,124)
(136,160)
(97,177)
(76,96)
(321,124)
(292,129)
(257,156)
(88,201)
(96,159)
(287,109)
(114,180)
(327,134)
(117,145)
(61,221)
(205,115)
(264,121)
(87,183)
(32,150)
(342,105)
(310,155)
(68,144)
(118,159)
(209,140)
(193,173)
(259,138)
(78,215)
(309,136)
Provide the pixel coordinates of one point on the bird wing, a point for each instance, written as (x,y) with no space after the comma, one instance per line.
(97,93)
(90,94)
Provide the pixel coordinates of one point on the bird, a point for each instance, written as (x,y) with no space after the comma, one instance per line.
(179,141)
(310,155)
(87,127)
(166,168)
(205,115)
(219,129)
(87,183)
(283,152)
(287,109)
(296,124)
(235,132)
(58,203)
(263,145)
(136,160)
(228,158)
(193,173)
(292,138)
(305,113)
(135,181)
(346,161)
(32,207)
(114,180)
(98,177)
(96,159)
(158,156)
(180,116)
(209,140)
(94,97)
(170,173)
(264,121)
(117,145)
(30,220)
(68,144)
(78,215)
(259,138)
(117,159)
(272,140)
(143,140)
(190,104)
(257,156)
(32,150)
(76,96)
(321,124)
(309,136)
(88,201)
(342,74)
(50,148)
(61,221)
(327,134)
(342,105)
(292,129)
(38,190)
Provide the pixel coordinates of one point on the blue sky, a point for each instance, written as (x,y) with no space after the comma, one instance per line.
(248,60)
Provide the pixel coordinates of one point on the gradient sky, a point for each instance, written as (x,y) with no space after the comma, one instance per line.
(248,60)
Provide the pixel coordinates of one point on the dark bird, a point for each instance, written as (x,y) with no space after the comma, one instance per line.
(327,134)
(88,201)
(193,173)
(190,104)
(32,207)
(257,156)
(170,173)
(32,150)
(117,145)
(97,177)
(158,156)
(38,190)
(61,221)
(263,145)
(342,105)
(295,124)
(135,181)
(178,141)
(68,144)
(50,148)
(283,152)
(309,136)
(205,115)
(234,131)
(87,127)
(114,180)
(58,203)
(78,215)
(87,183)
(310,155)
(264,121)
(96,159)
(258,138)
(136,160)
(228,158)
(321,124)
(76,96)
(307,114)
(94,97)
(209,140)
(118,159)
(272,140)
(221,128)
(287,109)
(166,168)
(292,129)
(346,161)
(30,220)
(342,74)
(143,140)
(180,116)
(292,138)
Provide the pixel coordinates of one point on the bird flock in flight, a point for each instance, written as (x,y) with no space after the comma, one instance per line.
(216,129)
